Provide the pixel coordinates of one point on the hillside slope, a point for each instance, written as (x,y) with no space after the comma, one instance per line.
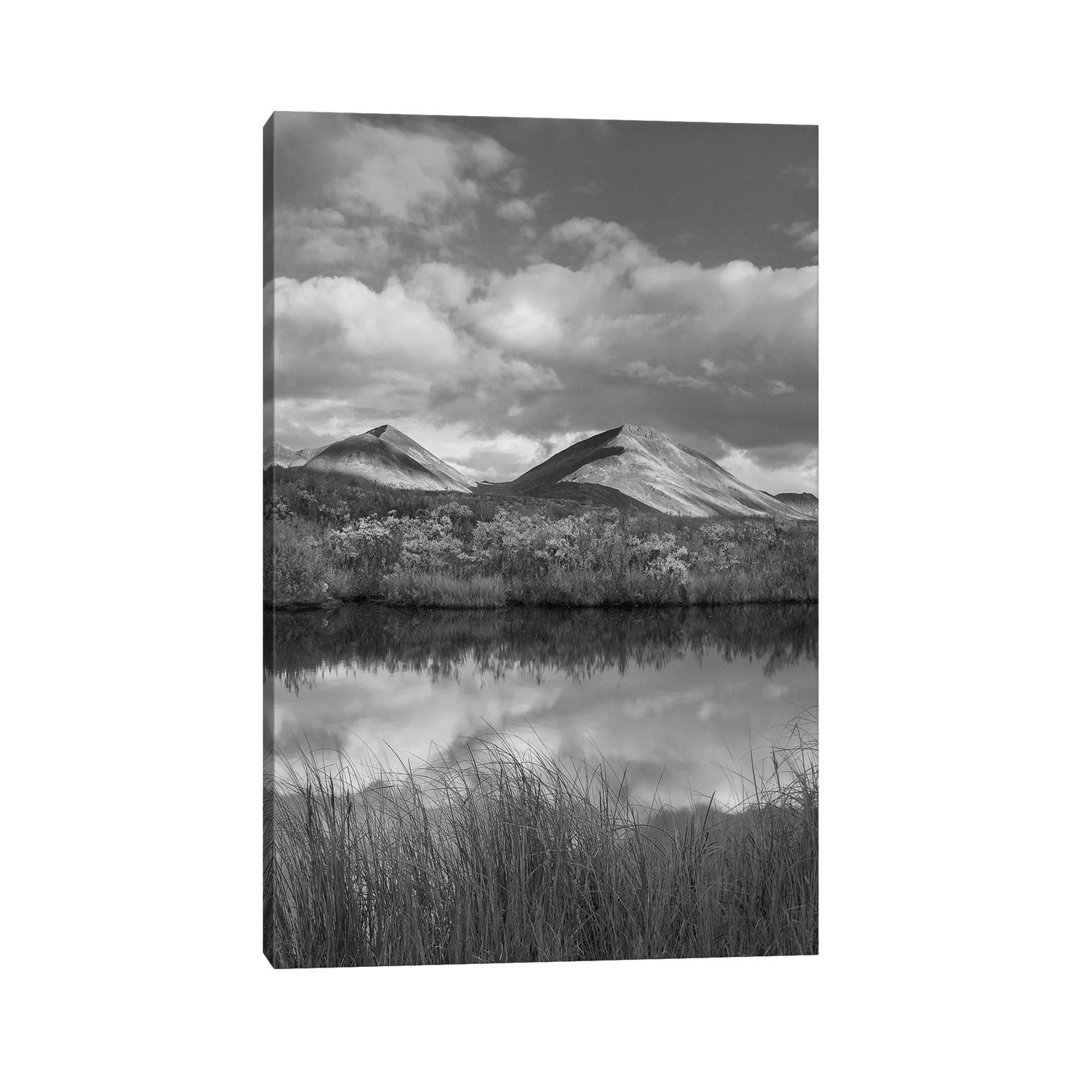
(276,454)
(649,468)
(803,501)
(388,457)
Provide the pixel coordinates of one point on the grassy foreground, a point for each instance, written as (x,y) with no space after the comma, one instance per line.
(502,854)
(468,551)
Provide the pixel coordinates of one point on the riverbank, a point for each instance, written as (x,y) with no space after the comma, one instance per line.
(499,853)
(444,592)
(453,554)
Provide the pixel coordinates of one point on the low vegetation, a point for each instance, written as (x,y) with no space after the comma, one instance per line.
(501,853)
(331,540)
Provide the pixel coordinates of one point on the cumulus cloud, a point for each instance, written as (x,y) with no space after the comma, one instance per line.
(634,336)
(621,336)
(788,468)
(384,353)
(309,239)
(440,285)
(516,210)
(359,196)
(399,296)
(600,240)
(335,337)
(364,168)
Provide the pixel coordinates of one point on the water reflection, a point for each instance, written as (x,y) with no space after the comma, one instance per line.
(300,647)
(677,697)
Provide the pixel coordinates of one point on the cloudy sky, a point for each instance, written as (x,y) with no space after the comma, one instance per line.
(499,288)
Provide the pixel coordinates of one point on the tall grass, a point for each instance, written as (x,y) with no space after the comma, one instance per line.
(443,590)
(502,853)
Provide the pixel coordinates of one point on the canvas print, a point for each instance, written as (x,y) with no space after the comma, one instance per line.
(541,532)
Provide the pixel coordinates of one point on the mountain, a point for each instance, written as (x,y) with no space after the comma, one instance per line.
(803,501)
(283,455)
(390,458)
(648,468)
(628,467)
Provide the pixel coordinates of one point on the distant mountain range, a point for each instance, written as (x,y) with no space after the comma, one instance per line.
(626,466)
(277,454)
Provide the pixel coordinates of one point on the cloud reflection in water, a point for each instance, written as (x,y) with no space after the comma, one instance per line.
(677,697)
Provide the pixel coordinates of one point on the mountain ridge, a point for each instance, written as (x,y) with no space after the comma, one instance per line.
(287,457)
(646,466)
(387,456)
(631,466)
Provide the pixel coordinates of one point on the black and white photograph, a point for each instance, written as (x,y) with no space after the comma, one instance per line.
(541,523)
(425,653)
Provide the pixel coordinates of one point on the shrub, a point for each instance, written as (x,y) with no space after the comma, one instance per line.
(295,565)
(381,544)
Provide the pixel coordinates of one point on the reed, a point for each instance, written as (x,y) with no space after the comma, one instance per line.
(502,853)
(444,590)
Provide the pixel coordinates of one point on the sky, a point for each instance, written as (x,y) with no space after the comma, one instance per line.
(499,288)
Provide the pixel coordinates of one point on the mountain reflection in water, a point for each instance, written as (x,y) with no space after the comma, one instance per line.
(676,696)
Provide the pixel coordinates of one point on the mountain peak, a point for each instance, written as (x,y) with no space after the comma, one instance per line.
(641,431)
(389,458)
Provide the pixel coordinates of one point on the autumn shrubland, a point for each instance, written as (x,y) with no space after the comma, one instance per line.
(328,540)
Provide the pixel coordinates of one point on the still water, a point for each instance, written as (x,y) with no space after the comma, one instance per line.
(682,699)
